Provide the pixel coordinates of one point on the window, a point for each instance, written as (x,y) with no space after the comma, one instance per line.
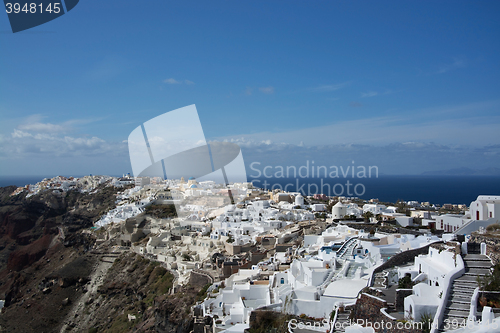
(282,280)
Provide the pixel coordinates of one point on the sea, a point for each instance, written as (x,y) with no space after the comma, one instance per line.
(434,189)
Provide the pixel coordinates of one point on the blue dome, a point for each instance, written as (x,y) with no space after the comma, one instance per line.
(191,178)
(193,186)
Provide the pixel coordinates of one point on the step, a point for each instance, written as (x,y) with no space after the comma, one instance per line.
(466,282)
(458,306)
(471,256)
(464,289)
(480,271)
(467,288)
(460,299)
(474,274)
(452,322)
(456,313)
(465,297)
(477,264)
(461,293)
(461,290)
(466,277)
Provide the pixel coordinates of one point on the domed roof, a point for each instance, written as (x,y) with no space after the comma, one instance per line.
(193,186)
(191,178)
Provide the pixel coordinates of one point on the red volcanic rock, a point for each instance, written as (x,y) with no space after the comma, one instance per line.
(17,222)
(29,254)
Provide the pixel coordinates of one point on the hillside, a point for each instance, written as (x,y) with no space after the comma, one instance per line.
(54,278)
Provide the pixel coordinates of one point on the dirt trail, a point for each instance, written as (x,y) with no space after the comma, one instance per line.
(77,317)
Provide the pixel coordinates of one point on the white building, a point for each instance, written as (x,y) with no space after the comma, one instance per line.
(450,222)
(339,210)
(485,207)
(374,208)
(431,272)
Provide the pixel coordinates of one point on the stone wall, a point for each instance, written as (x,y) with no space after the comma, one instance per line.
(368,308)
(200,278)
(492,246)
(392,230)
(402,258)
(233,249)
(283,247)
(228,270)
(256,257)
(399,303)
(457,248)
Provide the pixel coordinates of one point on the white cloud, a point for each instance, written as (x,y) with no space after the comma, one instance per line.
(431,125)
(83,143)
(49,140)
(171,81)
(372,93)
(369,94)
(174,81)
(20,134)
(267,90)
(330,87)
(437,157)
(457,63)
(41,127)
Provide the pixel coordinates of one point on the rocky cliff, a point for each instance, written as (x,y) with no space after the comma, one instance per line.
(54,278)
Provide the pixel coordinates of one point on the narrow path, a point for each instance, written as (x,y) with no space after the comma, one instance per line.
(458,303)
(76,317)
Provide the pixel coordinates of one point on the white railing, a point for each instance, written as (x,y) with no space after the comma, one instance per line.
(448,282)
(473,305)
(459,230)
(342,249)
(332,322)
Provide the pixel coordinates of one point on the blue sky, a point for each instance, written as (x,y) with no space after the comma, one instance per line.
(408,86)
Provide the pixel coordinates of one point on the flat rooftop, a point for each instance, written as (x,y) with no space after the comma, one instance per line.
(348,288)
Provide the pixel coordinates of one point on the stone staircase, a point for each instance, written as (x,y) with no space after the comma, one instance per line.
(391,308)
(342,321)
(332,275)
(346,250)
(457,309)
(379,280)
